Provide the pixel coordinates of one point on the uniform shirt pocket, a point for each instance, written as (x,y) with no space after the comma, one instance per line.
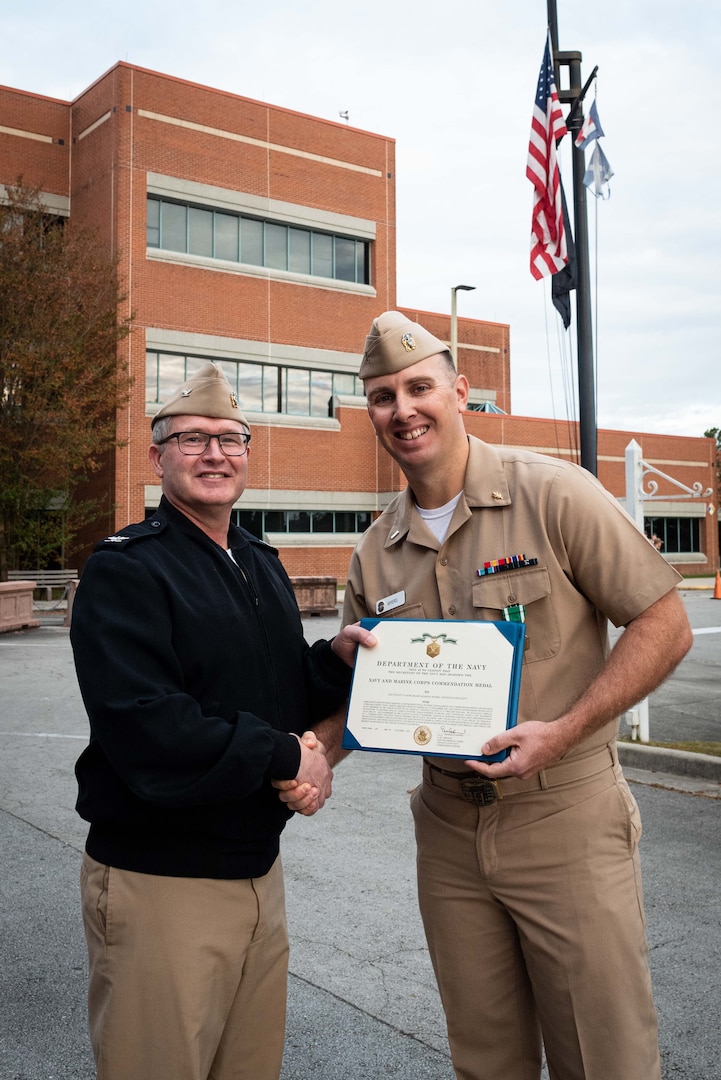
(407,611)
(530,587)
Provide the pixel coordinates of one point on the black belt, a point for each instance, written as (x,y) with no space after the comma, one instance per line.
(483,791)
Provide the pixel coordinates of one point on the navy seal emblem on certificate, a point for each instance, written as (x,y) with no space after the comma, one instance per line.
(435,687)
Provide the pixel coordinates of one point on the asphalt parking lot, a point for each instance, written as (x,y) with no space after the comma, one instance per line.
(363,1001)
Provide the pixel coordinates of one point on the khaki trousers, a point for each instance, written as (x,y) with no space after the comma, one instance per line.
(188,976)
(533,912)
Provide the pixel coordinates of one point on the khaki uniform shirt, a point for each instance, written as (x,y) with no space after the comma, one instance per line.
(593,565)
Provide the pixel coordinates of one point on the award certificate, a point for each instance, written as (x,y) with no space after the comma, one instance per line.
(440,688)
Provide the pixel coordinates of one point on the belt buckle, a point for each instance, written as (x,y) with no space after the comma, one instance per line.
(479,790)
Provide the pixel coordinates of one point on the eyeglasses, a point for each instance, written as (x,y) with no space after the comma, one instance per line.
(195,443)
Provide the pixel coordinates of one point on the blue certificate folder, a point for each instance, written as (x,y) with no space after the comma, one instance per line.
(433,733)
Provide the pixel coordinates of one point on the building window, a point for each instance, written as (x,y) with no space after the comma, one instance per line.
(483,406)
(198,230)
(677,534)
(308,522)
(152,238)
(260,387)
(312,522)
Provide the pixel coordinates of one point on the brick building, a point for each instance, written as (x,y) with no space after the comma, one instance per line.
(265,240)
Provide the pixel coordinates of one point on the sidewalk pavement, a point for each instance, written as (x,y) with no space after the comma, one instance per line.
(363,1001)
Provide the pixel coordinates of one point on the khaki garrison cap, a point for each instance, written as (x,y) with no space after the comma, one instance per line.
(394,343)
(207,393)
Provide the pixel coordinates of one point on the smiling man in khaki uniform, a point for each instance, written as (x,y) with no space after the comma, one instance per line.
(529,881)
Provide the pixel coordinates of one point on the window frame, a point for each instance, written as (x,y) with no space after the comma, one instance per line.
(673,529)
(274,379)
(332,242)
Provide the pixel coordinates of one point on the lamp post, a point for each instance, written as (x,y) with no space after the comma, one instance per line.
(454,319)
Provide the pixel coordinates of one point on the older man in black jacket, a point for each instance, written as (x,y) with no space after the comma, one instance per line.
(199,685)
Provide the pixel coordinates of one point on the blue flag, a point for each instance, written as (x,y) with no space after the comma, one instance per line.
(598,173)
(590,129)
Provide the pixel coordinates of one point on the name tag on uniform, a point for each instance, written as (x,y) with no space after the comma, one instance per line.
(388,603)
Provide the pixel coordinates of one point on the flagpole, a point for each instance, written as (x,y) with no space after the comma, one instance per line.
(584,328)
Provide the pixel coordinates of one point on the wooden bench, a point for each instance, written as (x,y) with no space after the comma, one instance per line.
(45,579)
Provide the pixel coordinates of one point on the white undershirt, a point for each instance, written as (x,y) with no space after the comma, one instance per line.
(439,519)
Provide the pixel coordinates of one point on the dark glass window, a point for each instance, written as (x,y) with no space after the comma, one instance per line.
(321,521)
(252,520)
(260,522)
(153,225)
(344,259)
(322,255)
(271,389)
(250,386)
(251,241)
(298,521)
(344,521)
(261,387)
(171,374)
(276,246)
(361,250)
(299,250)
(198,230)
(321,389)
(297,392)
(677,534)
(343,384)
(230,370)
(226,237)
(274,521)
(151,376)
(174,227)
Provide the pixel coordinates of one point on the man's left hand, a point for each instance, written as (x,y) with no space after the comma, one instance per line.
(534,746)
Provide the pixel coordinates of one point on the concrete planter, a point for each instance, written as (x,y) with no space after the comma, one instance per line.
(315,595)
(16,605)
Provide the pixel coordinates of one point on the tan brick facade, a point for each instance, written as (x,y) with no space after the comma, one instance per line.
(135,132)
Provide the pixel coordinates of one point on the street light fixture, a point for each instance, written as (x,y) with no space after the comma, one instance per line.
(454,319)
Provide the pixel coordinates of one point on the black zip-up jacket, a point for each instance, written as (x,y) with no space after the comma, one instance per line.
(193,671)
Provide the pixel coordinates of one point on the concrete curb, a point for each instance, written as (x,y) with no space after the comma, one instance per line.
(707,582)
(666,760)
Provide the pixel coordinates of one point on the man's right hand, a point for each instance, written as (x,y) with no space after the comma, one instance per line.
(313,784)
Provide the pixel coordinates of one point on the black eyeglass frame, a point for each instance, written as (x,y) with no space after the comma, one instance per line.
(245,435)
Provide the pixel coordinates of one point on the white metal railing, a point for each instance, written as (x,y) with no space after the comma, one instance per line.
(636,472)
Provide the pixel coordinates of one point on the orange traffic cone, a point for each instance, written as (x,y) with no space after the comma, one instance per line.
(717,587)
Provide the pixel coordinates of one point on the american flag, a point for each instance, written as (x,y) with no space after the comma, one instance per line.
(548,239)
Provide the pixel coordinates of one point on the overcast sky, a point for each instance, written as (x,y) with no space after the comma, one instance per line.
(453,83)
